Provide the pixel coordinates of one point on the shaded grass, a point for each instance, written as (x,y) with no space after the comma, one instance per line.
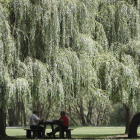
(97,132)
(77,133)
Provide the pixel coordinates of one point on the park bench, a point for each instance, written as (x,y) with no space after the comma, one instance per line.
(68,133)
(28,133)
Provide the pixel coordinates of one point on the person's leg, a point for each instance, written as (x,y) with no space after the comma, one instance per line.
(41,128)
(55,130)
(40,133)
(63,127)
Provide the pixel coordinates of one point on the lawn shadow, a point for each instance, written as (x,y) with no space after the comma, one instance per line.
(85,137)
(125,136)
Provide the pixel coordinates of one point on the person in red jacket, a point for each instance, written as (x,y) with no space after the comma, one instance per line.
(64,123)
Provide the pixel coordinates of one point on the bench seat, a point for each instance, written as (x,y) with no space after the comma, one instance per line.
(68,133)
(28,133)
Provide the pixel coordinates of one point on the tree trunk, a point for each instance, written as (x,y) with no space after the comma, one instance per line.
(103,116)
(127,109)
(72,118)
(98,117)
(89,114)
(17,112)
(133,126)
(21,118)
(2,123)
(24,114)
(11,117)
(82,113)
(24,118)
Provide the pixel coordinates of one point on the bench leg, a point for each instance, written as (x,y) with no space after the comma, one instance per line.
(68,134)
(35,134)
(61,135)
(28,134)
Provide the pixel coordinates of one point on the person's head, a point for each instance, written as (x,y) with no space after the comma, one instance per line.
(35,112)
(62,113)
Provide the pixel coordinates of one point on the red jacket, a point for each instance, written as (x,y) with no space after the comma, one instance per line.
(66,121)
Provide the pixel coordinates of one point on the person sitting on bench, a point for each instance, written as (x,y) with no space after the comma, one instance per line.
(64,123)
(34,121)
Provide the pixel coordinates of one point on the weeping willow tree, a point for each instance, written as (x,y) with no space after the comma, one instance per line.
(69,51)
(121,22)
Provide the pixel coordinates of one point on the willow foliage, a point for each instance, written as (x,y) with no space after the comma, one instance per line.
(129,80)
(6,41)
(7,50)
(121,22)
(62,49)
(133,49)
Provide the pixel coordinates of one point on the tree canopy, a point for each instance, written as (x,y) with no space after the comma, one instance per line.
(62,50)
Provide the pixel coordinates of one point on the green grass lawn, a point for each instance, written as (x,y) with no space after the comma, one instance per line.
(77,133)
